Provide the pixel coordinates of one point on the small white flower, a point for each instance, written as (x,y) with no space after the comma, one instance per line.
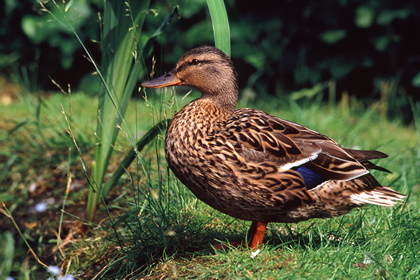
(54,270)
(40,207)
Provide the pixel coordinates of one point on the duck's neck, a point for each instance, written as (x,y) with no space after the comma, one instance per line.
(223,94)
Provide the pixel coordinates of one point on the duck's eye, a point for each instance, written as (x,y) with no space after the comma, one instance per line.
(195,62)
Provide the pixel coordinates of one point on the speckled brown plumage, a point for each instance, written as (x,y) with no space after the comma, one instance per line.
(255,166)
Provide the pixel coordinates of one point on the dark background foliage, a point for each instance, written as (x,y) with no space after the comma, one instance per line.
(367,49)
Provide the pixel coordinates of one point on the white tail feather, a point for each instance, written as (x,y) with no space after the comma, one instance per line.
(382,197)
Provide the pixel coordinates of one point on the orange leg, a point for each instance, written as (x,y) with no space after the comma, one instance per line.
(255,237)
(256,234)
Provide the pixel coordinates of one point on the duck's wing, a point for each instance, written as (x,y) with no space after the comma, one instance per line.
(261,137)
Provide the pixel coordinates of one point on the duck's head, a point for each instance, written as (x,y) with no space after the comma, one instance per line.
(206,69)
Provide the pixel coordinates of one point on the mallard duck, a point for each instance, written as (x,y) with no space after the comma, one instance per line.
(254,166)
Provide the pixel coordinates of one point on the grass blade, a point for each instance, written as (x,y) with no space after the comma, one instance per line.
(220,24)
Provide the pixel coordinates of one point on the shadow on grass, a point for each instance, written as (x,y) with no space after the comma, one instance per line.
(145,242)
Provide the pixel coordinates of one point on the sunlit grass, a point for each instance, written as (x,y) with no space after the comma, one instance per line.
(160,229)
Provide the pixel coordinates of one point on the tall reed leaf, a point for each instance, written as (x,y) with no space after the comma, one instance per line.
(154,131)
(220,25)
(123,21)
(122,27)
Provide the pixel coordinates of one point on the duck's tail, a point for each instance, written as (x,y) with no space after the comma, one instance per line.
(341,196)
(382,196)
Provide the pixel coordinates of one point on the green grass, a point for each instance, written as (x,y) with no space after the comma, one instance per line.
(155,228)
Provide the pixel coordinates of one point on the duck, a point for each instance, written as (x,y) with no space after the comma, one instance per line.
(255,166)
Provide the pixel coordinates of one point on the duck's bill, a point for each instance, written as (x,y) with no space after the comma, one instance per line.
(169,79)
